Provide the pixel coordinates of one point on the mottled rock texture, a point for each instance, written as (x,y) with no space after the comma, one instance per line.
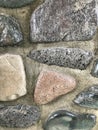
(51,85)
(65,120)
(64,20)
(19,116)
(12,77)
(10,31)
(14,3)
(94,71)
(67,57)
(88,97)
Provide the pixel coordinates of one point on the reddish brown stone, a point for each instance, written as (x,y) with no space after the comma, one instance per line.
(51,85)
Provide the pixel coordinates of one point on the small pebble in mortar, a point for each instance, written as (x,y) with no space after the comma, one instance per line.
(88,97)
(10,31)
(94,71)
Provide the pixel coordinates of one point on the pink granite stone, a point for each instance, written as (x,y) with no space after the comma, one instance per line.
(51,85)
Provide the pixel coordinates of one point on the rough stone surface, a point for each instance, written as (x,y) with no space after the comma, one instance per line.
(19,116)
(67,57)
(64,20)
(12,77)
(65,120)
(94,71)
(10,31)
(14,3)
(88,98)
(51,85)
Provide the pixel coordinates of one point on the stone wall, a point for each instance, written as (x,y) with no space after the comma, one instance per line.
(54,25)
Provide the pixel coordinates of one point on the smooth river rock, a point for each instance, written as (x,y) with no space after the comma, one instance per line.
(94,71)
(10,31)
(14,3)
(64,20)
(51,84)
(65,120)
(65,57)
(19,116)
(12,77)
(88,97)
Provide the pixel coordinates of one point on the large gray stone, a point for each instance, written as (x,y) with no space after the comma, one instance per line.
(14,3)
(64,20)
(67,57)
(10,31)
(19,116)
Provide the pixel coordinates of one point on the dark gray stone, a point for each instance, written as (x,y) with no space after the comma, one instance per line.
(14,3)
(88,97)
(94,71)
(64,20)
(10,31)
(67,57)
(65,120)
(19,116)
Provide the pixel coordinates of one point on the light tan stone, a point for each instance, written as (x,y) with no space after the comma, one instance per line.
(12,77)
(51,85)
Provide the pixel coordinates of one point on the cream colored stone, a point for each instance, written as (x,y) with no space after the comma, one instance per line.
(12,77)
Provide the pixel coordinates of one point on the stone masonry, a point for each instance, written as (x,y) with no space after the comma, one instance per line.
(48,64)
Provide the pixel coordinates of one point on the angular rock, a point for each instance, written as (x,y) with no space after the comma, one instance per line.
(88,97)
(94,71)
(10,31)
(67,57)
(64,20)
(14,3)
(51,85)
(19,116)
(65,120)
(12,77)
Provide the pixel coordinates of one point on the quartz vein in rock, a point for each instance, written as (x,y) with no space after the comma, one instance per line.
(88,97)
(14,3)
(10,31)
(64,20)
(19,116)
(66,57)
(65,120)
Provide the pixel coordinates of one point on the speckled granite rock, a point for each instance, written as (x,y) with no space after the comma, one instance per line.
(88,97)
(19,116)
(67,57)
(94,71)
(51,85)
(12,77)
(65,120)
(64,20)
(14,3)
(10,31)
